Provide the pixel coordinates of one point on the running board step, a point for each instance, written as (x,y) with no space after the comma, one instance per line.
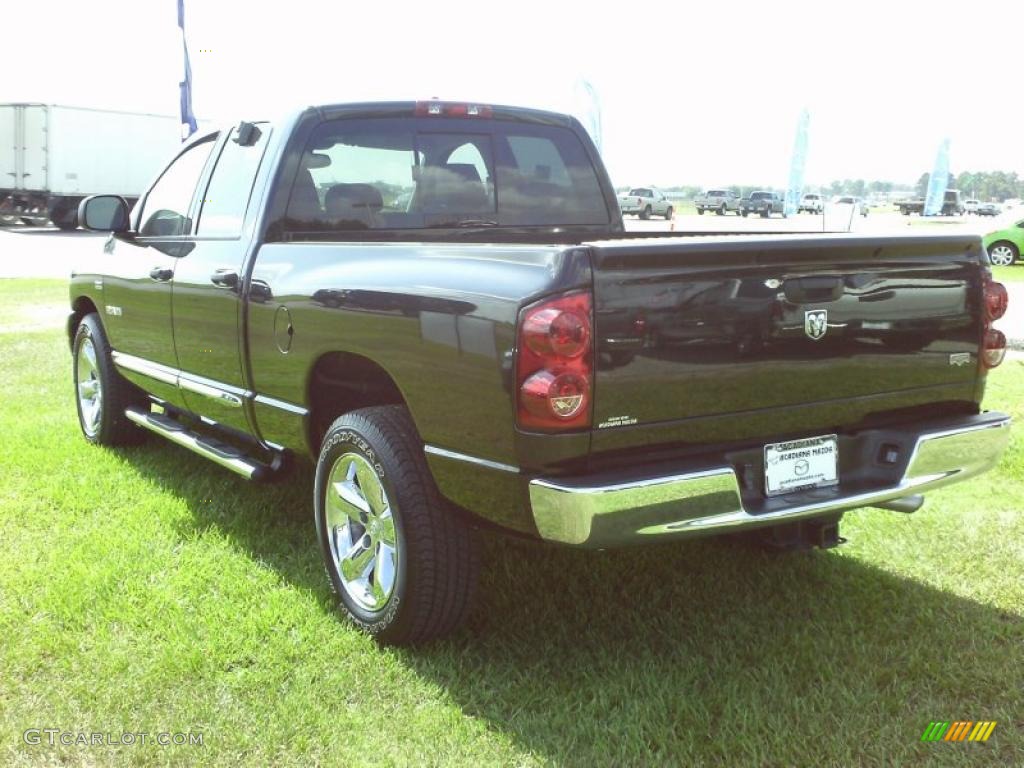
(209,447)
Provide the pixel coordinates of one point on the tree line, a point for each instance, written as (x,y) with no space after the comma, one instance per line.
(994,186)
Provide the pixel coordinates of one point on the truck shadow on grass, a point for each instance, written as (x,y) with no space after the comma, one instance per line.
(702,652)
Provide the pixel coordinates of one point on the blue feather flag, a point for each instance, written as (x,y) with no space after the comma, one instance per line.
(938,181)
(188,119)
(795,189)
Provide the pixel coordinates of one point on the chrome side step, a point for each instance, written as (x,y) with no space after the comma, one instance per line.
(225,455)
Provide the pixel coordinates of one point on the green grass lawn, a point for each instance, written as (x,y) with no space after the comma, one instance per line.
(145,590)
(1011,274)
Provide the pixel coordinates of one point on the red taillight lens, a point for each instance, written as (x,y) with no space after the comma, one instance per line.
(996,299)
(555,331)
(994,349)
(554,364)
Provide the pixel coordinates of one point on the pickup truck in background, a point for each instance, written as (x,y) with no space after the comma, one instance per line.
(763,203)
(718,200)
(436,304)
(952,205)
(811,203)
(645,202)
(52,157)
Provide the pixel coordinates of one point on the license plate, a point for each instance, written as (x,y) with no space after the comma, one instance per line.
(801,464)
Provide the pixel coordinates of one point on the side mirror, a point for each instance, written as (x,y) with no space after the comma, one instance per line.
(104,213)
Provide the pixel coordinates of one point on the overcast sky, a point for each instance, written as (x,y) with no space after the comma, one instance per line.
(702,94)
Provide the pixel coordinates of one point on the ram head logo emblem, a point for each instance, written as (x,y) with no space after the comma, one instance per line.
(815,323)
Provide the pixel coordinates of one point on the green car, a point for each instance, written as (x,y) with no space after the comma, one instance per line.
(1004,245)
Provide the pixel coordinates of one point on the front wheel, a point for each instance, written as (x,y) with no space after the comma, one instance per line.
(669,213)
(1003,253)
(101,393)
(400,560)
(700,211)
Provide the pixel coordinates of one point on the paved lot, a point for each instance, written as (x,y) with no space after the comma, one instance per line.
(39,252)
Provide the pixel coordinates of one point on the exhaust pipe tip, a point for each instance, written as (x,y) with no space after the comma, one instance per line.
(907,505)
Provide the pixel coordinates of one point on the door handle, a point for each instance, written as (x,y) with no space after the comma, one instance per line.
(161,274)
(225,278)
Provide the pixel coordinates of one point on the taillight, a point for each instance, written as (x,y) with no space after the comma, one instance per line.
(554,366)
(994,349)
(996,299)
(993,341)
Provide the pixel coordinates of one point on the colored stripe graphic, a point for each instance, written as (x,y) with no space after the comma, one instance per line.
(959,730)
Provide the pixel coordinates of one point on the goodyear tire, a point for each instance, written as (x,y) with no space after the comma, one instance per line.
(402,563)
(101,394)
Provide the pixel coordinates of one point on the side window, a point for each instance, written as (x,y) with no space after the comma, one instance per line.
(227,194)
(165,211)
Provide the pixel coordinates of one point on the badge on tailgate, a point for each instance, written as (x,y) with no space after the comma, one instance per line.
(801,464)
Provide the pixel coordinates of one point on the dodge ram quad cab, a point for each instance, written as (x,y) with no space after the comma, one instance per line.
(763,203)
(436,304)
(646,202)
(718,200)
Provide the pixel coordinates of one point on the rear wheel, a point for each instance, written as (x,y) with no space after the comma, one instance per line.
(700,211)
(720,210)
(400,560)
(645,214)
(101,393)
(1003,253)
(765,214)
(668,213)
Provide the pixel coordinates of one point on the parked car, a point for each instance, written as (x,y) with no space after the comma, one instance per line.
(718,200)
(988,209)
(859,205)
(812,204)
(970,206)
(763,203)
(501,353)
(1004,245)
(645,202)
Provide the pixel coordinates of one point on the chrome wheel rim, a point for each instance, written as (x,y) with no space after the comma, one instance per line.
(90,391)
(361,532)
(1001,255)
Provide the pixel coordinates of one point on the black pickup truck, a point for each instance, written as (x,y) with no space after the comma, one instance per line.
(437,304)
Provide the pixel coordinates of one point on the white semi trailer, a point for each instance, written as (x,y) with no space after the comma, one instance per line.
(51,157)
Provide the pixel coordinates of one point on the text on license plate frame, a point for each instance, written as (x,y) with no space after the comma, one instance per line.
(783,462)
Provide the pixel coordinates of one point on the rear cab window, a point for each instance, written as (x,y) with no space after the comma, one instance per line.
(409,173)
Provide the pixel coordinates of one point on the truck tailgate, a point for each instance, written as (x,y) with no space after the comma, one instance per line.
(720,339)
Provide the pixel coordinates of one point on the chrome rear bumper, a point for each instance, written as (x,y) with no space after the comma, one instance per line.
(590,513)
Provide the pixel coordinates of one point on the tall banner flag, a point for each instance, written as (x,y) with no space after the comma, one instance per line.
(188,119)
(795,188)
(938,181)
(589,110)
